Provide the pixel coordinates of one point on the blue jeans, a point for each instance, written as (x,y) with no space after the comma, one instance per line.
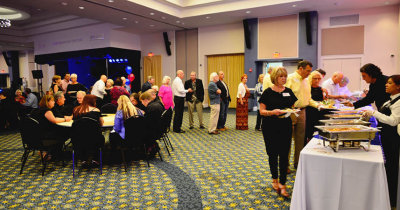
(222,114)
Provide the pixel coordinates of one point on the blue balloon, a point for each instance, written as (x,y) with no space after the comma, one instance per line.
(127,82)
(128,70)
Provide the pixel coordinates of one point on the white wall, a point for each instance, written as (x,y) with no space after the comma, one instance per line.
(124,40)
(154,43)
(221,39)
(381,37)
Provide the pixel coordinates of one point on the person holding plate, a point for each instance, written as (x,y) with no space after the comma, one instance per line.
(276,129)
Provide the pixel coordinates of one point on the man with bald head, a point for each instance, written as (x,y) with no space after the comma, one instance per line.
(99,90)
(332,86)
(179,99)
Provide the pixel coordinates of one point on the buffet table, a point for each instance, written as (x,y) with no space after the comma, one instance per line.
(349,179)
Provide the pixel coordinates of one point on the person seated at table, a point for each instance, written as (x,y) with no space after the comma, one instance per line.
(117,91)
(53,134)
(152,120)
(73,88)
(389,118)
(136,101)
(277,130)
(31,100)
(125,110)
(88,110)
(8,111)
(154,96)
(19,98)
(60,109)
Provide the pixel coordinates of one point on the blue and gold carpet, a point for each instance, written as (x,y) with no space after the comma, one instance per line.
(225,171)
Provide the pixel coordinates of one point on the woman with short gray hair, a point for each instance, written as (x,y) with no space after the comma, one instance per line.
(73,88)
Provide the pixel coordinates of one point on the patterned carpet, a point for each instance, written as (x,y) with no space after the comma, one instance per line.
(226,171)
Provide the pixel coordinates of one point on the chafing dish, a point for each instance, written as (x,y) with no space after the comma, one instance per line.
(347,136)
(343,116)
(345,122)
(346,111)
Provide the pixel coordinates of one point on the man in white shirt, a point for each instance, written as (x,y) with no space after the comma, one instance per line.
(332,86)
(179,99)
(65,82)
(99,90)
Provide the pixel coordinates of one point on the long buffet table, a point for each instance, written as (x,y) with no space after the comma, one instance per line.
(349,179)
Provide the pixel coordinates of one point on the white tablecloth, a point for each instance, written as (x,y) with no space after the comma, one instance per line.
(349,179)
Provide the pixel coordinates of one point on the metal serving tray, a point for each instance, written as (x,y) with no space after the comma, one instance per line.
(345,122)
(346,111)
(343,116)
(347,137)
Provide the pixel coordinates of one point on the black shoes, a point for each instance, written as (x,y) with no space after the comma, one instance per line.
(180,131)
(202,127)
(191,127)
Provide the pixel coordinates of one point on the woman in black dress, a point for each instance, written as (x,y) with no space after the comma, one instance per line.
(313,115)
(389,118)
(277,129)
(55,85)
(73,88)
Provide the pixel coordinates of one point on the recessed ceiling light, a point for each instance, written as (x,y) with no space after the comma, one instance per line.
(294,5)
(208,17)
(111,1)
(136,21)
(163,18)
(248,12)
(64,3)
(178,21)
(151,25)
(151,13)
(81,7)
(124,18)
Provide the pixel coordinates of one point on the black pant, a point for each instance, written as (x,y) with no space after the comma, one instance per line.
(259,118)
(391,144)
(179,107)
(277,134)
(99,102)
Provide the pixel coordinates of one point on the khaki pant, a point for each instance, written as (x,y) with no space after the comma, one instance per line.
(199,109)
(214,114)
(299,130)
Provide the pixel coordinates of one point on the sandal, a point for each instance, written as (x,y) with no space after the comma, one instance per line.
(284,193)
(275,185)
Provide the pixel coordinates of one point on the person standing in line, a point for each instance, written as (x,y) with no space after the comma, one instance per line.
(214,93)
(298,83)
(242,107)
(195,99)
(267,78)
(258,92)
(277,130)
(147,85)
(165,93)
(65,82)
(225,99)
(332,86)
(179,100)
(99,90)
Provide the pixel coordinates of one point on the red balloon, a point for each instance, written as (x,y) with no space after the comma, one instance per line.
(131,77)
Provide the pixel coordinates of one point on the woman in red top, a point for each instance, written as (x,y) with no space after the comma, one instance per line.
(117,91)
(19,97)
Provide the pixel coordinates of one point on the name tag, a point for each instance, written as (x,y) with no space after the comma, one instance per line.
(285,94)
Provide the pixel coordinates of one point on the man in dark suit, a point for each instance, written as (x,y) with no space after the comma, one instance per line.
(225,99)
(195,99)
(147,85)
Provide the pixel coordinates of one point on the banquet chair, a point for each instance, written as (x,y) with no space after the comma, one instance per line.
(109,108)
(166,119)
(86,136)
(32,140)
(135,137)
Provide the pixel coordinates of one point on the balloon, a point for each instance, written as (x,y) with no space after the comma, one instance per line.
(131,77)
(127,82)
(128,70)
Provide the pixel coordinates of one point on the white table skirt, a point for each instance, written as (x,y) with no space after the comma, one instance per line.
(349,179)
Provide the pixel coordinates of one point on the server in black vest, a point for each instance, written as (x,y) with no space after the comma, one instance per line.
(225,99)
(389,118)
(179,99)
(372,74)
(195,98)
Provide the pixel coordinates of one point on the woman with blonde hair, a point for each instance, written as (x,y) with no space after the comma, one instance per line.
(165,93)
(125,110)
(19,97)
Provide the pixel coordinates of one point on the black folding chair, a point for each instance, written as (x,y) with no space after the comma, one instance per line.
(32,140)
(109,108)
(166,119)
(135,137)
(86,137)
